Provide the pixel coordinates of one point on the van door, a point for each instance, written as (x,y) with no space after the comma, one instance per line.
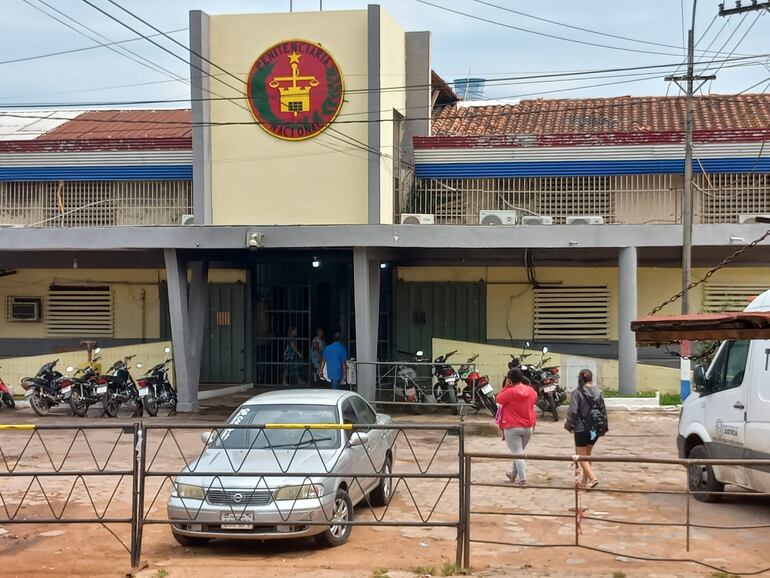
(758,414)
(725,409)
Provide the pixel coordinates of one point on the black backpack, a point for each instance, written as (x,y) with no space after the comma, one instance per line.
(596,421)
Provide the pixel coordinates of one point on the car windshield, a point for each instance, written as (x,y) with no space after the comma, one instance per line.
(241,439)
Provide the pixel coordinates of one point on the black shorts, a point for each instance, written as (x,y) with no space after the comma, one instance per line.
(583,439)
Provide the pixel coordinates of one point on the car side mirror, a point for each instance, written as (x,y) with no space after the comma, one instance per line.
(358,438)
(699,378)
(207,437)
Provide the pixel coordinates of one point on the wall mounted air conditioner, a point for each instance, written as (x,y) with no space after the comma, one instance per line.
(585,220)
(187,220)
(750,219)
(536,220)
(497,217)
(417,219)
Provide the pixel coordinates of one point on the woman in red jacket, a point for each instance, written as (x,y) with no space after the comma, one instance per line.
(517,420)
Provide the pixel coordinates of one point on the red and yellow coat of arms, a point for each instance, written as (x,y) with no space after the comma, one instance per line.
(295,90)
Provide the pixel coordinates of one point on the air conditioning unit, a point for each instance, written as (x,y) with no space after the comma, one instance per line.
(497,217)
(536,220)
(187,220)
(750,219)
(417,219)
(585,220)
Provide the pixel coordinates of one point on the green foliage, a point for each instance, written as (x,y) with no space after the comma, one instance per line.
(380,573)
(422,570)
(450,569)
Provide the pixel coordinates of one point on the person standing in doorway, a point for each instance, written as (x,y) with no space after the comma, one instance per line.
(587,420)
(316,353)
(292,360)
(517,420)
(335,360)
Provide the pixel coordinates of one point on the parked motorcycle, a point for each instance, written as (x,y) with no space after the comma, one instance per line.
(6,396)
(121,389)
(86,387)
(478,392)
(550,395)
(445,388)
(155,390)
(49,388)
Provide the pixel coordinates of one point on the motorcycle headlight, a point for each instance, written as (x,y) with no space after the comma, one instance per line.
(303,492)
(189,492)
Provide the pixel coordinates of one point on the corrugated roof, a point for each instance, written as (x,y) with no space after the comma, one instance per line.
(124,124)
(603,115)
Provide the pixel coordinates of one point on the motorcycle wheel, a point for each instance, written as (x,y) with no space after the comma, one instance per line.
(110,404)
(39,403)
(466,396)
(150,403)
(451,397)
(552,406)
(77,404)
(9,401)
(489,401)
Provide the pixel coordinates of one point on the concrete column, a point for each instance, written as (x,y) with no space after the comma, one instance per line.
(418,97)
(627,306)
(366,285)
(200,90)
(187,323)
(374,106)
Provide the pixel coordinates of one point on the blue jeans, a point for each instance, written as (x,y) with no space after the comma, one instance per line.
(336,383)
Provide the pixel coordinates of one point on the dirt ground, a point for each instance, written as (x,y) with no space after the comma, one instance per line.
(513,515)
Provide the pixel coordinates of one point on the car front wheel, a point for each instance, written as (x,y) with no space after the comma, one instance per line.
(189,541)
(342,512)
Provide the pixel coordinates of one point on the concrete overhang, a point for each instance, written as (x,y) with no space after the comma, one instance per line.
(382,236)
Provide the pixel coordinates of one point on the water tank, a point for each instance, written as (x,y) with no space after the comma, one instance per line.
(470,88)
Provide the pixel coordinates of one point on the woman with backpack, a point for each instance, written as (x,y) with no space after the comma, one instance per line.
(516,417)
(587,420)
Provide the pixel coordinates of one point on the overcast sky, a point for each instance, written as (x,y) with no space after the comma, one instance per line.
(460,45)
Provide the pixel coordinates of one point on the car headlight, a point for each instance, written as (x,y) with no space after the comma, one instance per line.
(303,492)
(189,492)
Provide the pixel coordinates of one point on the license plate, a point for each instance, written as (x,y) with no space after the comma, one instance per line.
(101,390)
(66,389)
(239,521)
(411,393)
(143,392)
(450,380)
(487,389)
(549,389)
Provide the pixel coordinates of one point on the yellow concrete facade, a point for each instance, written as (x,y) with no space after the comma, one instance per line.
(257,178)
(136,297)
(510,300)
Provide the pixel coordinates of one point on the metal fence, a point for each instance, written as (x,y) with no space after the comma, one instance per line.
(579,516)
(94,203)
(137,467)
(626,199)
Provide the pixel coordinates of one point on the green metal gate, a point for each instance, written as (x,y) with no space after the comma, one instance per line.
(443,310)
(224,348)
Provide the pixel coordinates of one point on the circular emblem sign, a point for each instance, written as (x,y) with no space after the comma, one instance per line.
(295,90)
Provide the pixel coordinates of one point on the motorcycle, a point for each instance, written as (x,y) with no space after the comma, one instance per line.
(516,363)
(477,392)
(49,388)
(86,388)
(155,390)
(445,388)
(6,396)
(406,386)
(550,395)
(120,389)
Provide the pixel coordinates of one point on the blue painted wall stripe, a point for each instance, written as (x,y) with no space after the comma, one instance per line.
(588,168)
(96,173)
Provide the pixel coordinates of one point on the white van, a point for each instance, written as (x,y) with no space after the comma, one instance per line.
(728,415)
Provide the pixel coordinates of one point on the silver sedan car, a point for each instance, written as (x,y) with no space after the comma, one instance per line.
(285,482)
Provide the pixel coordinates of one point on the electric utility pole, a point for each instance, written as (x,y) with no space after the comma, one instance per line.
(740,9)
(687,209)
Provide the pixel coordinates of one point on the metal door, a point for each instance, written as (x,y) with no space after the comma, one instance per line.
(224,350)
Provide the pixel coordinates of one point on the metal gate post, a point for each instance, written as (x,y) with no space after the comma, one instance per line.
(137,500)
(466,566)
(461,497)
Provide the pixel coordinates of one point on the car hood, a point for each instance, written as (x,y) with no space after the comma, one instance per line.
(252,464)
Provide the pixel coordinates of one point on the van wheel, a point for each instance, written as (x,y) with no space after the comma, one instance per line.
(701,477)
(342,511)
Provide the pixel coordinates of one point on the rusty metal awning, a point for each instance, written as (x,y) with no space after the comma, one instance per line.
(659,329)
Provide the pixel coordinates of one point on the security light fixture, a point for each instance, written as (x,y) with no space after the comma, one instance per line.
(316,263)
(383,265)
(254,240)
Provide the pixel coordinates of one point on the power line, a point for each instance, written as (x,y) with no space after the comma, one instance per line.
(759,14)
(544,34)
(84,48)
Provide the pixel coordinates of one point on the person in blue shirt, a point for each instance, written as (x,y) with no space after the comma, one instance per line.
(335,358)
